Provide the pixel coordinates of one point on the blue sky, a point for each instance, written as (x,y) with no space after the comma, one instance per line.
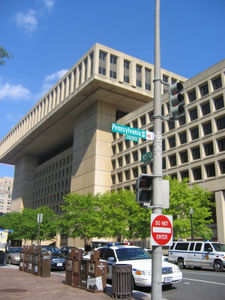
(47,37)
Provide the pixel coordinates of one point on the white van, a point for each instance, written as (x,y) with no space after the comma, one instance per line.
(198,254)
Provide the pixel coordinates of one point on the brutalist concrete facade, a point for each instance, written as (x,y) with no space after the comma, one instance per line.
(65,144)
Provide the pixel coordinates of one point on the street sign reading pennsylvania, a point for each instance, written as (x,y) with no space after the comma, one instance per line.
(129,131)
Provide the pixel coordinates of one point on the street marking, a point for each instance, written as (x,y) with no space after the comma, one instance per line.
(205,281)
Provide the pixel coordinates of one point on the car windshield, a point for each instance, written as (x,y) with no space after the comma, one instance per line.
(132,254)
(15,250)
(219,247)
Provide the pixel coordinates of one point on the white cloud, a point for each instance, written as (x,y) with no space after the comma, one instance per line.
(51,79)
(13,92)
(49,3)
(27,20)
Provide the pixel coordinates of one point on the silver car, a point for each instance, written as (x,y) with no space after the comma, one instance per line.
(13,255)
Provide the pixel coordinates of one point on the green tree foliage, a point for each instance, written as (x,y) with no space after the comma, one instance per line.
(112,214)
(122,217)
(3,54)
(80,216)
(24,224)
(182,198)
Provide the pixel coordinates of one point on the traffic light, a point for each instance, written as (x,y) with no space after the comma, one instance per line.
(144,189)
(176,105)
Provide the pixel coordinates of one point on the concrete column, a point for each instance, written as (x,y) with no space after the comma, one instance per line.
(92,151)
(220,215)
(23,183)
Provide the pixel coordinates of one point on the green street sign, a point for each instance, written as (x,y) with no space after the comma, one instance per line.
(129,131)
(147,157)
(132,138)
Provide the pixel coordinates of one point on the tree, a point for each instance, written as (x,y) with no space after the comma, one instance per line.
(80,216)
(122,217)
(3,53)
(182,198)
(24,224)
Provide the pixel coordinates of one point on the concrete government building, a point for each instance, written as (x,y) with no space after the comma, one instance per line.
(65,143)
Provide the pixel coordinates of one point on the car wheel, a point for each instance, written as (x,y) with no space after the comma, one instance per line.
(218,266)
(180,263)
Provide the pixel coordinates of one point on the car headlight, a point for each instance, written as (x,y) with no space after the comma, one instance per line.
(176,269)
(142,272)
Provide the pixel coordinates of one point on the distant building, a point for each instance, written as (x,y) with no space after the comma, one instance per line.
(6,187)
(65,143)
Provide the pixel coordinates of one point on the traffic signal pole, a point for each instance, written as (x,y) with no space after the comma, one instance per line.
(157,162)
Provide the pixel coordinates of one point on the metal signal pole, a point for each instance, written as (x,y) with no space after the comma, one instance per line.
(157,162)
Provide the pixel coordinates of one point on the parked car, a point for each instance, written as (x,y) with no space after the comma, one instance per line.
(141,262)
(13,255)
(57,258)
(66,250)
(201,254)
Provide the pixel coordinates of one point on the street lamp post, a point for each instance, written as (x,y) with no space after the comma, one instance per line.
(191,211)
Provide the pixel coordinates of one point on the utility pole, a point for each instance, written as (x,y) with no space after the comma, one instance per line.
(157,162)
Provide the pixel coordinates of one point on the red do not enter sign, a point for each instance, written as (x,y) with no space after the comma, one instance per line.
(161,230)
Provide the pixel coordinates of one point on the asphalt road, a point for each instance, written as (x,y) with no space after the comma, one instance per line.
(196,285)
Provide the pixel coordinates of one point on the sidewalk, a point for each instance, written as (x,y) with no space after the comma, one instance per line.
(18,285)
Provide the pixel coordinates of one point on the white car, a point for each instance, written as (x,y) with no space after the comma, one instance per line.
(141,262)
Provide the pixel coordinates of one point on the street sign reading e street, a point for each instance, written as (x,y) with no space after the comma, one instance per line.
(129,131)
(161,230)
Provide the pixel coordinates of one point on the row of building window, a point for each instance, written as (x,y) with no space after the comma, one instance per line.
(210,171)
(185,156)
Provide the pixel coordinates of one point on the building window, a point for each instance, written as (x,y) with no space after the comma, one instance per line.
(221,144)
(127,158)
(127,174)
(114,149)
(135,156)
(207,128)
(220,123)
(163,145)
(113,66)
(85,68)
(92,63)
(126,71)
(218,102)
(143,169)
(135,172)
(192,95)
(194,133)
(205,108)
(143,120)
(102,63)
(183,137)
(80,73)
(164,163)
(127,143)
(208,149)
(184,174)
(150,114)
(173,160)
(193,114)
(204,90)
(165,79)
(148,79)
(210,170)
(172,141)
(182,120)
(120,177)
(138,76)
(195,152)
(184,157)
(217,83)
(135,124)
(222,166)
(171,125)
(120,161)
(197,173)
